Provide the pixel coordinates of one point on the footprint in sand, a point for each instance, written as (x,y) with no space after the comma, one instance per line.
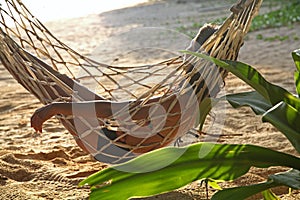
(15,169)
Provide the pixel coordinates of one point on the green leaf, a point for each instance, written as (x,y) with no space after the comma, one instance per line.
(297,82)
(272,93)
(296,57)
(286,15)
(214,184)
(290,178)
(205,107)
(282,116)
(243,192)
(198,161)
(269,195)
(253,99)
(286,119)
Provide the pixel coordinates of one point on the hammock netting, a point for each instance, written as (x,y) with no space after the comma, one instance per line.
(151,105)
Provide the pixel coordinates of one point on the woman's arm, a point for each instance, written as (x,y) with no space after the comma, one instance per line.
(89,109)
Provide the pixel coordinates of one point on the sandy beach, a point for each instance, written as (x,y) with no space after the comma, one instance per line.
(50,165)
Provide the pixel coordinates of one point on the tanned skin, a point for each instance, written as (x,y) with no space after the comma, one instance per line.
(102,109)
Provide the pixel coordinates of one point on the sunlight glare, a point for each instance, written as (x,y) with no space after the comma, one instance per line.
(61,9)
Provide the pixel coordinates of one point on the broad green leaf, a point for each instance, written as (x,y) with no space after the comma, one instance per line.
(258,104)
(282,116)
(243,192)
(290,178)
(297,82)
(269,195)
(296,57)
(286,119)
(221,162)
(272,93)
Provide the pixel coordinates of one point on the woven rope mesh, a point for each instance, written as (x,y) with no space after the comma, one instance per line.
(151,105)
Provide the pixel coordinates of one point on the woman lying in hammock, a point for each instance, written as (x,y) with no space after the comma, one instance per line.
(143,129)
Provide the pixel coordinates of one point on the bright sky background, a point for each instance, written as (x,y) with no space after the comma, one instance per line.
(48,10)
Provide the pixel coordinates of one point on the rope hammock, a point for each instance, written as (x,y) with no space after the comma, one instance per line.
(129,112)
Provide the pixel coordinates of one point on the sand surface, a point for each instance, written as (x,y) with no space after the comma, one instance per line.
(50,165)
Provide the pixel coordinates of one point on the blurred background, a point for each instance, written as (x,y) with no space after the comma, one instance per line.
(57,9)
